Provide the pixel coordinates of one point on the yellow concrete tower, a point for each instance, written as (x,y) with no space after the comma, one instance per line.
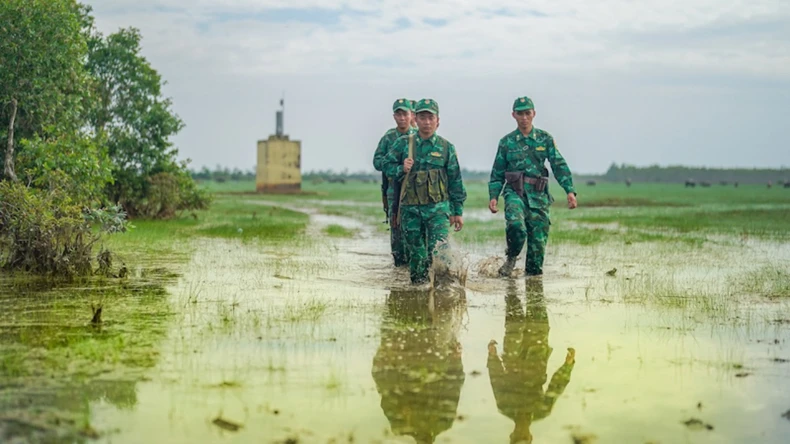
(279,161)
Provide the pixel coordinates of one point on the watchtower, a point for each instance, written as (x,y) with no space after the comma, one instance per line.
(279,161)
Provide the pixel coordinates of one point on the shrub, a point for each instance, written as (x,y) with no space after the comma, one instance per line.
(44,232)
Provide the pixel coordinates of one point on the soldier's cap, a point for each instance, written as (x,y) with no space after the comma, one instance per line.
(523,104)
(428,105)
(404,104)
(413,104)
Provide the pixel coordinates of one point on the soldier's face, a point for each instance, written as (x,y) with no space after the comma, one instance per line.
(524,118)
(402,118)
(427,122)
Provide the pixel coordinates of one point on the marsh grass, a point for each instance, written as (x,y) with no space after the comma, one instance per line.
(771,281)
(295,311)
(335,230)
(693,296)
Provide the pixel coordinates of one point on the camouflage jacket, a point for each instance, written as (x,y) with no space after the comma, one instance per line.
(517,153)
(433,153)
(385,144)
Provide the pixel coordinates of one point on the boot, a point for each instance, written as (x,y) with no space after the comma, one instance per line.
(507,268)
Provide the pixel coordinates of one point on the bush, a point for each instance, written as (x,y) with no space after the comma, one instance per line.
(44,232)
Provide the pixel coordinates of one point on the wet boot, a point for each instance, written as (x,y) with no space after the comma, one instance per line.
(507,268)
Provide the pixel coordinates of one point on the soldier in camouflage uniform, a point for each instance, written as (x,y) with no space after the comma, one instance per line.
(403,113)
(518,374)
(434,192)
(519,170)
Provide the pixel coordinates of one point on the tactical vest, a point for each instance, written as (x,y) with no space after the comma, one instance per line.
(428,187)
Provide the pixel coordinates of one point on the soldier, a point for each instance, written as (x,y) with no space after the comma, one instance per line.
(519,170)
(518,374)
(413,115)
(433,192)
(403,113)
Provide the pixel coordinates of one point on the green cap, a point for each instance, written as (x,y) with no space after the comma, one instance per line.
(523,104)
(404,104)
(413,104)
(429,105)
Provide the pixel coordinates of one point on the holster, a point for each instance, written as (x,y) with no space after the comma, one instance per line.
(516,181)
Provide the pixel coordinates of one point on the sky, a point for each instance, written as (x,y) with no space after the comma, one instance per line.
(670,82)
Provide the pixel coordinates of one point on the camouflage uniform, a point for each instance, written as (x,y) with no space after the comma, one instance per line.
(434,192)
(399,253)
(518,375)
(527,216)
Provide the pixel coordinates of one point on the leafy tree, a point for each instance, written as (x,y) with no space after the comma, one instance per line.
(43,86)
(137,123)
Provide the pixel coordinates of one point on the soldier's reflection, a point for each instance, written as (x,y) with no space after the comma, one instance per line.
(417,368)
(519,373)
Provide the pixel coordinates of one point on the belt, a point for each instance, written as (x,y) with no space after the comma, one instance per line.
(531,180)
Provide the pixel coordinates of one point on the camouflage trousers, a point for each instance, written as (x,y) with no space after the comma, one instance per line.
(399,253)
(526,224)
(424,229)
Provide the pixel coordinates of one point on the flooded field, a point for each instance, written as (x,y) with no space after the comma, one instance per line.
(316,338)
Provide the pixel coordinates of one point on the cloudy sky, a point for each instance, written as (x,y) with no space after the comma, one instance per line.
(692,82)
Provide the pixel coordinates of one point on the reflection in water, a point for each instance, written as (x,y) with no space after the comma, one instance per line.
(519,373)
(417,368)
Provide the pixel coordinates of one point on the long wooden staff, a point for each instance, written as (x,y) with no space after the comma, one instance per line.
(405,180)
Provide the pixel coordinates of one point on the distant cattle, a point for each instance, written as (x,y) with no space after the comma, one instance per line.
(628,182)
(769,184)
(704,184)
(723,182)
(591,183)
(690,183)
(736,184)
(787,184)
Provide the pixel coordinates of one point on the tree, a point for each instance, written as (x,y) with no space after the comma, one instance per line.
(43,85)
(137,123)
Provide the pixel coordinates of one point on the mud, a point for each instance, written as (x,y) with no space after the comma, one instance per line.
(324,341)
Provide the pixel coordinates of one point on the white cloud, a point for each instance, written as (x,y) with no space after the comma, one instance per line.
(227,66)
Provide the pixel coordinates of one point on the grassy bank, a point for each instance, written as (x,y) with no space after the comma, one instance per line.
(607,212)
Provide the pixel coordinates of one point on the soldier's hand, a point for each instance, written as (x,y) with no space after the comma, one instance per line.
(571,201)
(407,164)
(457,222)
(570,358)
(492,205)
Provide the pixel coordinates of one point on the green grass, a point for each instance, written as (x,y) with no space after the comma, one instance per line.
(231,216)
(335,230)
(640,213)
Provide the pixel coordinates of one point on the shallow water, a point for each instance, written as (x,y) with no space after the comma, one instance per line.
(328,343)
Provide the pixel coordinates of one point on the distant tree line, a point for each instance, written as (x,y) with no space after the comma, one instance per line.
(220,174)
(615,173)
(224,174)
(681,174)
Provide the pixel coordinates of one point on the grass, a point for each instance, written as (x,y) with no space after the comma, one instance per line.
(641,213)
(770,281)
(335,230)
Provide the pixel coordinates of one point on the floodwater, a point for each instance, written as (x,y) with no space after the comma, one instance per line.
(324,341)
